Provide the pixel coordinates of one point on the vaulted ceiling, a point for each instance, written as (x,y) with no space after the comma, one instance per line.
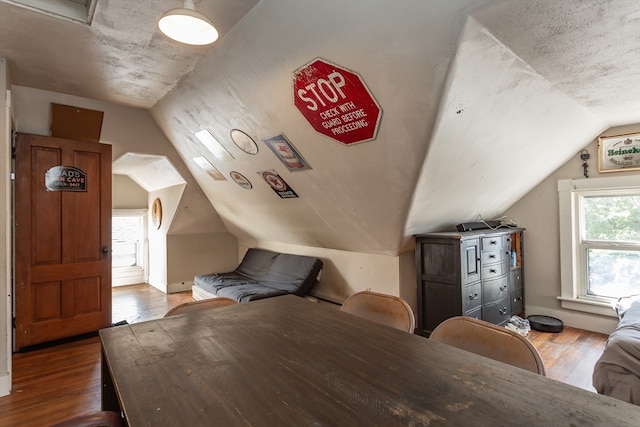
(480,99)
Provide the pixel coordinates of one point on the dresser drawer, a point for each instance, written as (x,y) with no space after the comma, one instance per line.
(493,271)
(517,302)
(496,255)
(496,289)
(471,297)
(476,313)
(498,312)
(494,242)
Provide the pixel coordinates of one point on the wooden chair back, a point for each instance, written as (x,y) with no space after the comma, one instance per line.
(381,308)
(489,340)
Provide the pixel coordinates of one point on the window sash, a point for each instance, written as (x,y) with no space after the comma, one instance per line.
(585,282)
(584,245)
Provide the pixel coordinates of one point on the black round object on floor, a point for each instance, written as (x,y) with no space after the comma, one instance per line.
(545,323)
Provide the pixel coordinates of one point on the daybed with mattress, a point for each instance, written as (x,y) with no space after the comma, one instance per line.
(261,274)
(617,372)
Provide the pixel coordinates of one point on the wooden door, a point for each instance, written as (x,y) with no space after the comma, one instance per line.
(63,238)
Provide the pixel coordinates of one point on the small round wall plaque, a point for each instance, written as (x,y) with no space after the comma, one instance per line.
(241,180)
(156,213)
(244,141)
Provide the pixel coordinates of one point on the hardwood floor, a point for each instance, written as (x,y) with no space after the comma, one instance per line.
(57,382)
(569,356)
(138,303)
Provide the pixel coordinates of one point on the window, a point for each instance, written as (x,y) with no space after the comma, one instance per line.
(128,243)
(610,244)
(599,241)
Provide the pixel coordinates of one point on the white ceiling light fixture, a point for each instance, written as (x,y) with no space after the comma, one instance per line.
(188,26)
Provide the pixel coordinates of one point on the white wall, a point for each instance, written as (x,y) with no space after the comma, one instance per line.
(183,257)
(345,272)
(5,231)
(169,199)
(127,194)
(538,213)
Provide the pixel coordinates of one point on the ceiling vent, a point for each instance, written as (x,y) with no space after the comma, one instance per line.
(74,10)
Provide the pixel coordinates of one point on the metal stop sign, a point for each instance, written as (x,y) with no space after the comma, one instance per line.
(336,102)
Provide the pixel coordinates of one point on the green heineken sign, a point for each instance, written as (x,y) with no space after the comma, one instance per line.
(619,152)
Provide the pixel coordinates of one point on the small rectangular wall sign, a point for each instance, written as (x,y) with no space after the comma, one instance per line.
(278,185)
(619,153)
(288,155)
(65,178)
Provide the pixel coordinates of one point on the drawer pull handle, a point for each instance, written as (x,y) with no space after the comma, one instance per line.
(492,256)
(502,288)
(493,242)
(503,310)
(473,296)
(516,299)
(493,270)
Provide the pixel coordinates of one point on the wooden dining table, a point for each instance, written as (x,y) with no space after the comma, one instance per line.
(288,361)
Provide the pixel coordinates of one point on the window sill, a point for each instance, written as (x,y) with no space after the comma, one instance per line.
(593,307)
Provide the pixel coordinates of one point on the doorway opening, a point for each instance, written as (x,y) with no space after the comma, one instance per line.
(129,257)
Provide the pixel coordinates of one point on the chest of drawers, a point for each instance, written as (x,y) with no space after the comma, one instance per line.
(475,273)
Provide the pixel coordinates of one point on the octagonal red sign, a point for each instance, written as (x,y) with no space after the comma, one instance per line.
(336,102)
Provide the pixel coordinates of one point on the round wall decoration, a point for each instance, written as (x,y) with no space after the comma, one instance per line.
(156,213)
(241,180)
(244,141)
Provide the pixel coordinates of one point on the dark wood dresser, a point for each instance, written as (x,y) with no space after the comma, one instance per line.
(472,273)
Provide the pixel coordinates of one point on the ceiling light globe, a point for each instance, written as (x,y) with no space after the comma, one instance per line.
(188,26)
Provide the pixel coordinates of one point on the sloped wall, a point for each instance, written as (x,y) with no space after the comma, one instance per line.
(468,126)
(497,135)
(354,198)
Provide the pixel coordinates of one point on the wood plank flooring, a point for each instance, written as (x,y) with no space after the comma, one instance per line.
(569,356)
(58,382)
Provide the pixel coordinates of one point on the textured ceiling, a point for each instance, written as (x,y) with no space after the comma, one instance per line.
(590,49)
(122,57)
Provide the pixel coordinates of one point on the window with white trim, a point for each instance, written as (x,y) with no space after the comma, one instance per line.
(599,241)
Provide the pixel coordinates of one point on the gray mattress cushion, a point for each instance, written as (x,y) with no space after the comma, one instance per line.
(263,274)
(256,263)
(235,286)
(294,274)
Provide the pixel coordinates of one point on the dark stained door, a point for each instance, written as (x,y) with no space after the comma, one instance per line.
(63,239)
